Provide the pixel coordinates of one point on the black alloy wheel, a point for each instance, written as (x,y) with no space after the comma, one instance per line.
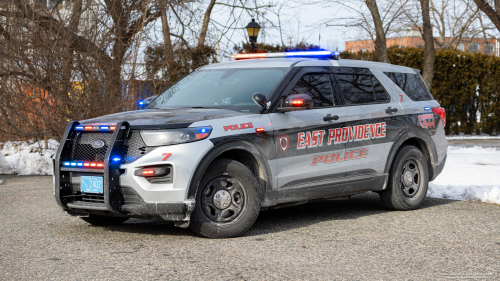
(223,199)
(408,180)
(227,201)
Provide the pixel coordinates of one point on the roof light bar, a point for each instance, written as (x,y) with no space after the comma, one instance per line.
(285,54)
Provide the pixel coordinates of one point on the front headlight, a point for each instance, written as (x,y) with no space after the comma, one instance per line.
(174,136)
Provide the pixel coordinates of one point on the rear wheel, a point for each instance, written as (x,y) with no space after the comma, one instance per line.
(227,201)
(103,220)
(408,180)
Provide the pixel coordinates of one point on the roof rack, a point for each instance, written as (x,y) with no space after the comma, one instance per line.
(306,54)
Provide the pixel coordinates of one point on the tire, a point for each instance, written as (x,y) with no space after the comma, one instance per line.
(233,188)
(103,220)
(408,180)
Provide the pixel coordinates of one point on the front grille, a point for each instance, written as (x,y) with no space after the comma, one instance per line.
(82,146)
(133,147)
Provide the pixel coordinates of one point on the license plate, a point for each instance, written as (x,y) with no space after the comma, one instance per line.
(91,184)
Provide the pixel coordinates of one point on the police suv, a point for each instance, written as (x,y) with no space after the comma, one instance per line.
(263,130)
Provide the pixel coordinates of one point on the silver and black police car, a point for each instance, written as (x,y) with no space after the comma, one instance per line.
(260,131)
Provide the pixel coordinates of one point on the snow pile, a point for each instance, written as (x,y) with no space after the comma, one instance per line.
(471,173)
(27,158)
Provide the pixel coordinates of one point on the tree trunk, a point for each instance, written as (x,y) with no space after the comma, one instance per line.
(380,40)
(429,52)
(168,52)
(68,59)
(206,21)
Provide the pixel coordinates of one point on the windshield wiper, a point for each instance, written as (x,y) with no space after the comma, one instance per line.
(202,107)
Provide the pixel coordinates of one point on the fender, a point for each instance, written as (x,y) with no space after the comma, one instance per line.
(223,146)
(423,138)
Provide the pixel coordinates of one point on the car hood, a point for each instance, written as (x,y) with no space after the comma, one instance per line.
(158,117)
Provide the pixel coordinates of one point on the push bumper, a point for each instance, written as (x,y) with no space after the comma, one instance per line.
(127,195)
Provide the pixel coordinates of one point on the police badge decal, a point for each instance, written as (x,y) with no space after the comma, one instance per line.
(283,143)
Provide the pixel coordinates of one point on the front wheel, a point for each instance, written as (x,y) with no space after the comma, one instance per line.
(227,202)
(408,180)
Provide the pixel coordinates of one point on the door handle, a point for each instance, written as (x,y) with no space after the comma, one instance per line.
(391,110)
(330,117)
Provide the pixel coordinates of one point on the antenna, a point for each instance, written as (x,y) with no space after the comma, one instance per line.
(319,43)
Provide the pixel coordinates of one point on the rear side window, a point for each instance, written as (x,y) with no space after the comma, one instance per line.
(361,89)
(317,86)
(411,84)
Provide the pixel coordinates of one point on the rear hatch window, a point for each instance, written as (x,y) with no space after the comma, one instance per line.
(412,84)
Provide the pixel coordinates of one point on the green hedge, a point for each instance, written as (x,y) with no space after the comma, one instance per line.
(467,85)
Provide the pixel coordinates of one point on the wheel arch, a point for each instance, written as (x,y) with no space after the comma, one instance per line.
(242,151)
(422,141)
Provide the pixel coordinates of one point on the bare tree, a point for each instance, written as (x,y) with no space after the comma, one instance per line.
(455,18)
(491,9)
(377,19)
(187,43)
(64,62)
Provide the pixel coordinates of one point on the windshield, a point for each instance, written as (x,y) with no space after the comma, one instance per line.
(221,88)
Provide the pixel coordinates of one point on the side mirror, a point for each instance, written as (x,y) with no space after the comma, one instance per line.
(297,102)
(260,99)
(149,100)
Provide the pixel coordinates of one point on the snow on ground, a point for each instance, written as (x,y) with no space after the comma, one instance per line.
(27,158)
(471,173)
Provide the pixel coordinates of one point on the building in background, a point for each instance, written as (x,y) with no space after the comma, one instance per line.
(414,39)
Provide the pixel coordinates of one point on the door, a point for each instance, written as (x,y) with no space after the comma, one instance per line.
(375,120)
(309,155)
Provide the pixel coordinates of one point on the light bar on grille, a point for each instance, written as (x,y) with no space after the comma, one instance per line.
(286,54)
(80,164)
(100,128)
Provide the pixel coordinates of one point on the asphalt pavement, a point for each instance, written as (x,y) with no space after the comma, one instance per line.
(354,239)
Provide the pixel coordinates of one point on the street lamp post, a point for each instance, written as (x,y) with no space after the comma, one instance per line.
(253,29)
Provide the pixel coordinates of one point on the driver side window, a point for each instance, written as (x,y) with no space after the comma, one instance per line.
(317,86)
